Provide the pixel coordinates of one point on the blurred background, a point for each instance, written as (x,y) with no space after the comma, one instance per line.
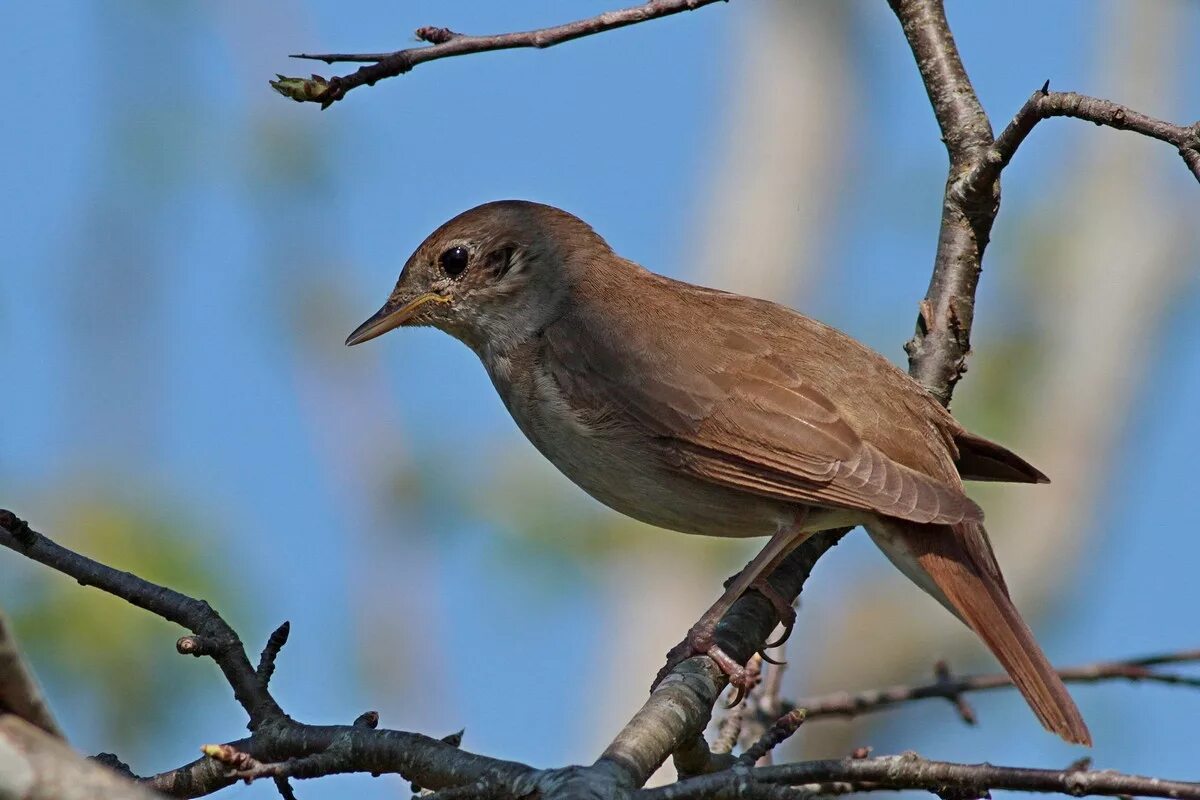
(182,253)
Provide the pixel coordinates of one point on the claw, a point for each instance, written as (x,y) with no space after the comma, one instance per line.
(788,624)
(763,655)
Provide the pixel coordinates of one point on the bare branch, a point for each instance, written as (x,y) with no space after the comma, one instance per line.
(910,771)
(939,349)
(851,704)
(679,709)
(306,750)
(36,764)
(446,44)
(776,735)
(195,615)
(1044,104)
(19,692)
(937,354)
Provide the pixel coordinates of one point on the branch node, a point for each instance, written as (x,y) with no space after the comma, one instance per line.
(197,646)
(1082,764)
(18,527)
(945,679)
(314,89)
(435,35)
(237,760)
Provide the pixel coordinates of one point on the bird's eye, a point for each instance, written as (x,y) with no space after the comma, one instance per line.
(454,261)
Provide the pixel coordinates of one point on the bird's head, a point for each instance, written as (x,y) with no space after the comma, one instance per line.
(491,276)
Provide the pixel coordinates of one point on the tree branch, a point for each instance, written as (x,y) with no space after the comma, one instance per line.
(679,709)
(36,765)
(674,715)
(222,643)
(937,353)
(947,687)
(910,771)
(446,44)
(275,736)
(938,350)
(1044,104)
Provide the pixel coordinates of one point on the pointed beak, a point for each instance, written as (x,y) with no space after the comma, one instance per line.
(393,314)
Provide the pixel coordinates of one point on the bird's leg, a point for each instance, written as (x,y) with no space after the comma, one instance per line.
(700,639)
(783,608)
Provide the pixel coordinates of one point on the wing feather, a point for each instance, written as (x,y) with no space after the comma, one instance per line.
(747,420)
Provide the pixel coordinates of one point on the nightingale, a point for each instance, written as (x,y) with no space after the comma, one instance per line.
(711,413)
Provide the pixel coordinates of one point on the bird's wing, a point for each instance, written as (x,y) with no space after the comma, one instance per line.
(742,417)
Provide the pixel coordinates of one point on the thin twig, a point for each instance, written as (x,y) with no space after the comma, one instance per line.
(729,730)
(275,643)
(1044,104)
(910,771)
(851,704)
(447,43)
(776,735)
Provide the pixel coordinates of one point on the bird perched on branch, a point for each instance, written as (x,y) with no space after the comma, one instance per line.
(712,413)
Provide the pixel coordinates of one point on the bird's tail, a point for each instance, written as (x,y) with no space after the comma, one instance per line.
(954,563)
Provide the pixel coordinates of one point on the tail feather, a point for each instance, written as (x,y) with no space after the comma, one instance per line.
(980,459)
(950,563)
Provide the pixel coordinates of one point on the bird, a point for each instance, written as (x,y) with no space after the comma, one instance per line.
(712,413)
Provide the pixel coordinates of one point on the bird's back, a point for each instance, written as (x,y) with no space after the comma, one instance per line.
(710,340)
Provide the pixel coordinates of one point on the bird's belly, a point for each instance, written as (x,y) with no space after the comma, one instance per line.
(638,485)
(627,473)
(632,483)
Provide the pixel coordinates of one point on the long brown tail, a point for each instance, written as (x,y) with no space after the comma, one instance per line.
(955,564)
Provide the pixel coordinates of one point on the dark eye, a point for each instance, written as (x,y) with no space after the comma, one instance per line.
(454,261)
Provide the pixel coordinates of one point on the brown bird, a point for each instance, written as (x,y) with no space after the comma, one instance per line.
(707,412)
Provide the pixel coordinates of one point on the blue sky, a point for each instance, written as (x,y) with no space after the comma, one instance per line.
(184,251)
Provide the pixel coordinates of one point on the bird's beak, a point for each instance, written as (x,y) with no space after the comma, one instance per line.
(393,314)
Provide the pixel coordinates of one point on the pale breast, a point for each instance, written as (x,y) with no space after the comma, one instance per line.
(622,468)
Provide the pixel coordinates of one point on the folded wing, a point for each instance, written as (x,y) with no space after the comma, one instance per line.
(746,419)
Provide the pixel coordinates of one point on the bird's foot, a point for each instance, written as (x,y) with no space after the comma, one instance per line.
(783,609)
(701,640)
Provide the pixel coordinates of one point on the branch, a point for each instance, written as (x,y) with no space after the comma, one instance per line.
(1044,104)
(19,692)
(947,687)
(219,640)
(445,43)
(279,747)
(938,351)
(677,712)
(36,764)
(275,737)
(910,771)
